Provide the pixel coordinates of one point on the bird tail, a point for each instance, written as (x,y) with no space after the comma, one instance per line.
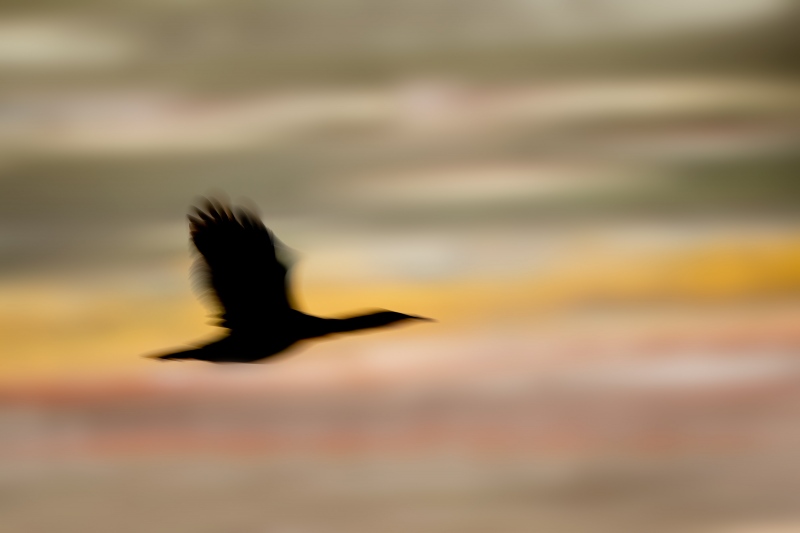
(174,356)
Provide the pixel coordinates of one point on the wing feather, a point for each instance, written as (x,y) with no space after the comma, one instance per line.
(239,265)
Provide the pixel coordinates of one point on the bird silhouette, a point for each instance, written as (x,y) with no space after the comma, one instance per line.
(240,267)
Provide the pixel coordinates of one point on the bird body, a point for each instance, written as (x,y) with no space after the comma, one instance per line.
(240,267)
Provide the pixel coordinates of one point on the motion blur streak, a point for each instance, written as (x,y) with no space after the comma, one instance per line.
(597,199)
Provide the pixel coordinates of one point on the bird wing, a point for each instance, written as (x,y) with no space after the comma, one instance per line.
(239,265)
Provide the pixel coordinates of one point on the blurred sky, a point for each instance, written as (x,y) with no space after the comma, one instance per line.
(597,199)
(480,162)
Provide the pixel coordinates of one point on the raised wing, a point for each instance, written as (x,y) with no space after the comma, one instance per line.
(240,266)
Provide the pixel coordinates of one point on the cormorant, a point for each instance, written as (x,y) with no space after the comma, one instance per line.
(240,266)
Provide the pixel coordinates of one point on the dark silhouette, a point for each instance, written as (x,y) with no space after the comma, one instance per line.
(241,268)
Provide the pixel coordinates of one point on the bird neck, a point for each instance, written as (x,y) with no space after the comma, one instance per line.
(365,321)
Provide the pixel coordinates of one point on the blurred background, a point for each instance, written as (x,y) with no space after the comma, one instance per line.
(597,199)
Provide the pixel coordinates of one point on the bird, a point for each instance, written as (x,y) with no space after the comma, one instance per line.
(240,266)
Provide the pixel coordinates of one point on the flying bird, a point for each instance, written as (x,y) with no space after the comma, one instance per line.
(240,266)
